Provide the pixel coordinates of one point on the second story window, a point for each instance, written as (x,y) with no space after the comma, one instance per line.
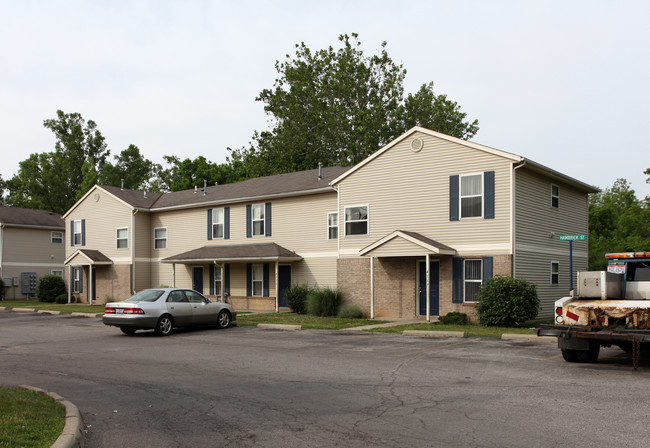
(160,238)
(332,226)
(471,196)
(555,196)
(57,238)
(217,223)
(77,233)
(356,220)
(258,219)
(123,238)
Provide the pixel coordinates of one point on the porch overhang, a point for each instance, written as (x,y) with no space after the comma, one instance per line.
(88,257)
(402,243)
(235,253)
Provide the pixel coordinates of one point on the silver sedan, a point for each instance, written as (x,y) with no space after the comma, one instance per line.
(163,309)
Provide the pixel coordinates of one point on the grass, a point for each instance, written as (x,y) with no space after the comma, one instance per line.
(306,320)
(29,419)
(470,330)
(64,308)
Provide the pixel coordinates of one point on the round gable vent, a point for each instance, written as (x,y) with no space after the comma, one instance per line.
(416,144)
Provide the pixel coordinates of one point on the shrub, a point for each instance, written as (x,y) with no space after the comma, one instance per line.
(506,301)
(350,312)
(49,287)
(454,318)
(296,297)
(2,289)
(62,298)
(324,302)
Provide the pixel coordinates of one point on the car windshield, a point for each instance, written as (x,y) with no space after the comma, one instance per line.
(147,295)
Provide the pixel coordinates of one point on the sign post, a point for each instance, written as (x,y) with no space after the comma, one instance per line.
(571,238)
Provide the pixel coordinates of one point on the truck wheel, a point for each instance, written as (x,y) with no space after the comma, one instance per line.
(591,355)
(570,355)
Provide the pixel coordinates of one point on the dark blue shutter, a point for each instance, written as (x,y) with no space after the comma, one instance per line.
(249,279)
(267,219)
(454,198)
(212,291)
(226,280)
(265,285)
(487,268)
(81,278)
(249,223)
(209,224)
(71,279)
(83,232)
(71,233)
(457,280)
(226,223)
(488,195)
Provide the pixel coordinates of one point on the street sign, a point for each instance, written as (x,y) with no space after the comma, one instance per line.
(575,237)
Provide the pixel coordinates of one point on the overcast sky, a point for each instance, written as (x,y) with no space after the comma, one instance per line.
(564,83)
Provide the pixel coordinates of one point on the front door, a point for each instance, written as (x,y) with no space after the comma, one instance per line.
(434,288)
(284,283)
(197,279)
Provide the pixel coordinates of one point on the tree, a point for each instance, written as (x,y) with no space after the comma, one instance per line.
(337,107)
(186,174)
(131,167)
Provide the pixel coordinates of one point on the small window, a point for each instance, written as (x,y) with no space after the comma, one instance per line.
(217,222)
(356,220)
(57,238)
(332,226)
(77,233)
(217,282)
(471,196)
(258,219)
(160,238)
(76,279)
(555,273)
(257,280)
(555,196)
(473,278)
(57,272)
(123,238)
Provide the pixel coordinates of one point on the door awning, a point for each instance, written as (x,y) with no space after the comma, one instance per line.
(235,253)
(402,243)
(88,257)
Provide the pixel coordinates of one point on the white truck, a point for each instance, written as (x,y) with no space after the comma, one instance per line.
(608,308)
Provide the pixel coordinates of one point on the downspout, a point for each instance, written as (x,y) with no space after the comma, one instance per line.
(372,287)
(514,216)
(135,212)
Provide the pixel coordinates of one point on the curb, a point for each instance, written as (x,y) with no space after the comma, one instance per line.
(87,314)
(280,327)
(25,310)
(72,435)
(527,337)
(49,312)
(434,334)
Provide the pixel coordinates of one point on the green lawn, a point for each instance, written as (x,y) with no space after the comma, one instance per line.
(65,308)
(306,320)
(29,419)
(470,330)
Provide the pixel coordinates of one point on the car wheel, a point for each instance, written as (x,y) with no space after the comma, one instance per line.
(165,325)
(128,331)
(223,319)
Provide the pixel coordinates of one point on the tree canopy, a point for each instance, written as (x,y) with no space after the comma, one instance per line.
(339,106)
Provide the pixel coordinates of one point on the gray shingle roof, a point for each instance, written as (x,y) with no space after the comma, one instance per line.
(29,217)
(235,252)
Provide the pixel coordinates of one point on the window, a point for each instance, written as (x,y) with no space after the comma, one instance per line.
(57,238)
(57,272)
(555,196)
(217,282)
(473,278)
(332,226)
(555,273)
(258,219)
(76,280)
(160,238)
(123,238)
(77,233)
(356,220)
(257,280)
(217,223)
(471,196)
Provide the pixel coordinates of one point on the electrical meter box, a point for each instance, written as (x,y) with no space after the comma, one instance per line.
(28,282)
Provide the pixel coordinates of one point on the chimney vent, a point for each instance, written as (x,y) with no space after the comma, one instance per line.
(320,170)
(205,187)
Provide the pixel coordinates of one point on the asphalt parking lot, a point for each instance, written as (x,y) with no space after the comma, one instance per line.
(245,386)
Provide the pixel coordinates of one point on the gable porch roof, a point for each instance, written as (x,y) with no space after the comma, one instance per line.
(89,256)
(235,253)
(408,244)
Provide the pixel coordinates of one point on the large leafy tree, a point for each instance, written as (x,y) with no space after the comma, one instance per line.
(187,173)
(337,107)
(132,168)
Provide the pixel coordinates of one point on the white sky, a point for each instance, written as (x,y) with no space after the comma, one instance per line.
(564,83)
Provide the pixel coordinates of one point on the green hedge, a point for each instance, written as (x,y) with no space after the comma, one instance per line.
(506,302)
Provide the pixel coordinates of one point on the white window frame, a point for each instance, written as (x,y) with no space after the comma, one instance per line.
(466,280)
(555,272)
(77,234)
(118,239)
(262,208)
(216,223)
(461,196)
(332,227)
(555,198)
(217,282)
(76,282)
(346,222)
(259,268)
(56,239)
(156,239)
(58,272)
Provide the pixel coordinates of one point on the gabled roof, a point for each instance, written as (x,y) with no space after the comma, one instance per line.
(26,217)
(427,244)
(235,252)
(136,198)
(92,256)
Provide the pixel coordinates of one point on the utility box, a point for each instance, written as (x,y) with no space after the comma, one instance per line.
(7,281)
(600,285)
(28,282)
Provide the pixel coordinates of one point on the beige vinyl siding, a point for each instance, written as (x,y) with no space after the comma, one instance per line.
(315,272)
(538,225)
(142,240)
(408,190)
